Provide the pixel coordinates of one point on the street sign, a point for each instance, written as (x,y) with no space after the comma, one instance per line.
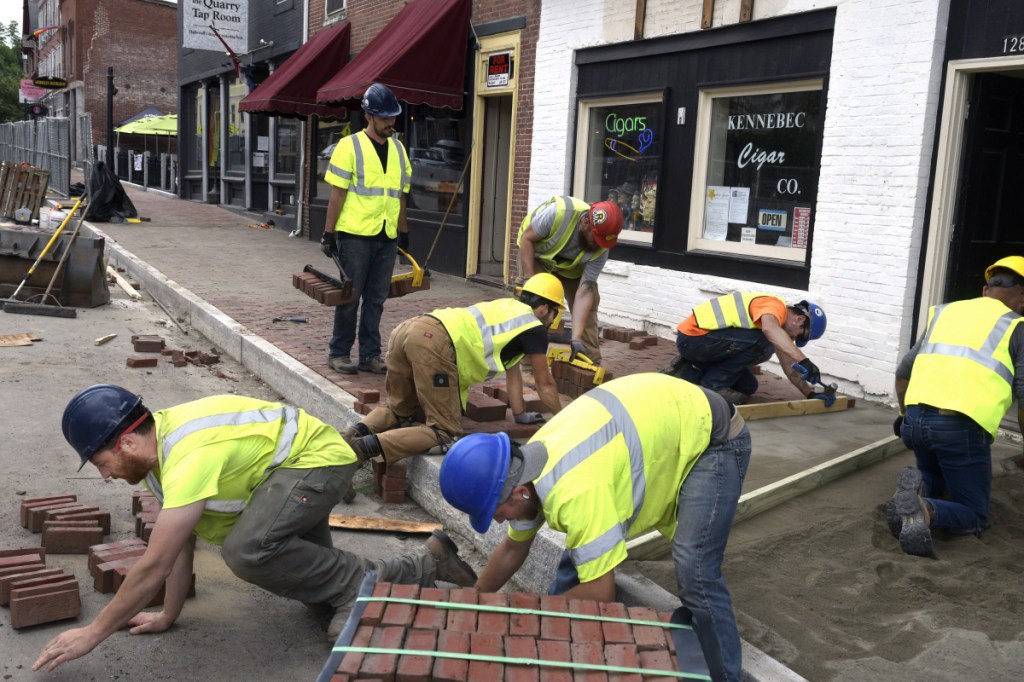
(30,91)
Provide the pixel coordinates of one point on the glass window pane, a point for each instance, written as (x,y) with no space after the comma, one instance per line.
(435,141)
(327,135)
(195,156)
(287,146)
(237,89)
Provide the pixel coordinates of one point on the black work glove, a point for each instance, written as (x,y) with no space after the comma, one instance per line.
(829,399)
(328,244)
(576,348)
(403,241)
(897,423)
(528,418)
(812,374)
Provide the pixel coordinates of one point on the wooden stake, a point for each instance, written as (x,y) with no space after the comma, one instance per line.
(375,523)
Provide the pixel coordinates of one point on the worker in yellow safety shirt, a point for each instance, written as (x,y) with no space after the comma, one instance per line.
(434,359)
(954,387)
(642,452)
(256,477)
(570,239)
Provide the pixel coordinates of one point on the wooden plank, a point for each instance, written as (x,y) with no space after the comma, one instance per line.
(376,523)
(654,545)
(123,283)
(794,408)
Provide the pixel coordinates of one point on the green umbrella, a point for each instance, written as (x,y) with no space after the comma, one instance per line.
(151,125)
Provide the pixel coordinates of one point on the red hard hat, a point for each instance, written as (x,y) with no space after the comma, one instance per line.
(605,223)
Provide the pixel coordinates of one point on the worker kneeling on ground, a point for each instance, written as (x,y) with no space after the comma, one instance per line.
(722,338)
(643,452)
(258,478)
(434,359)
(954,387)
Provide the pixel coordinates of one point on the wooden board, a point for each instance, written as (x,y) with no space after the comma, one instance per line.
(794,408)
(375,523)
(654,545)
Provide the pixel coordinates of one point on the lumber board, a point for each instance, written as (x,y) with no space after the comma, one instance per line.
(654,545)
(794,408)
(123,283)
(376,523)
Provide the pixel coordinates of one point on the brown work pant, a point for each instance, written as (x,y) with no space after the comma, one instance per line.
(591,338)
(422,383)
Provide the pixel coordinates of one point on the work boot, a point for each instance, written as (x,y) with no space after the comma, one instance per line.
(342,363)
(914,513)
(375,365)
(338,623)
(449,567)
(354,432)
(367,447)
(681,368)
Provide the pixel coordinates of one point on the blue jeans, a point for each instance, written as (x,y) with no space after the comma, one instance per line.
(707,506)
(954,455)
(724,357)
(370,264)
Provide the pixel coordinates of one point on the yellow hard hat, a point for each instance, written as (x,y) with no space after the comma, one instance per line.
(547,286)
(1015,263)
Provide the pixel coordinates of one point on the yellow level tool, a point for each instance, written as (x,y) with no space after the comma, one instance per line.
(581,361)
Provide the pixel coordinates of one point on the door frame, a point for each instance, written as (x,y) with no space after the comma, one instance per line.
(949,155)
(488,45)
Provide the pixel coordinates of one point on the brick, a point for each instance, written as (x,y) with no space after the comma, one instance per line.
(416,668)
(383,665)
(148,344)
(552,627)
(623,656)
(367,396)
(650,340)
(658,659)
(24,552)
(524,624)
(18,560)
(585,630)
(37,577)
(51,514)
(31,564)
(646,637)
(637,344)
(139,497)
(397,470)
(615,633)
(374,610)
(667,618)
(31,502)
(451,669)
(64,581)
(104,573)
(521,647)
(462,620)
(486,644)
(102,518)
(401,615)
(431,617)
(45,608)
(393,497)
(121,572)
(352,661)
(483,409)
(34,516)
(390,484)
(65,540)
(98,553)
(588,652)
(138,361)
(493,622)
(551,650)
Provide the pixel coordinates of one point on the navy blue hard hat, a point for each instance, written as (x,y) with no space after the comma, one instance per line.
(93,416)
(378,100)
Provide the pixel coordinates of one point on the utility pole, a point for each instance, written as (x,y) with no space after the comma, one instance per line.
(111,91)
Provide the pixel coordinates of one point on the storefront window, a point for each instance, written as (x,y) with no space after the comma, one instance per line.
(619,148)
(287,146)
(434,139)
(756,170)
(260,125)
(195,156)
(327,135)
(214,127)
(237,89)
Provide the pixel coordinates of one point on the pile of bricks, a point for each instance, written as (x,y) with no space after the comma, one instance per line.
(109,565)
(145,509)
(538,637)
(574,381)
(34,593)
(319,290)
(367,399)
(389,480)
(402,287)
(67,527)
(636,338)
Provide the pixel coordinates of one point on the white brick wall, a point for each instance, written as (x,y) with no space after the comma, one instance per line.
(879,128)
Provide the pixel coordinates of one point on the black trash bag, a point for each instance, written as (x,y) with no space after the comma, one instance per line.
(76,190)
(108,202)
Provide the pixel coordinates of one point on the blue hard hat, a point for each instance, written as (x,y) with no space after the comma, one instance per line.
(473,474)
(378,100)
(93,416)
(816,317)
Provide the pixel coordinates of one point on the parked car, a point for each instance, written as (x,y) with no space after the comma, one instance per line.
(326,152)
(451,152)
(421,156)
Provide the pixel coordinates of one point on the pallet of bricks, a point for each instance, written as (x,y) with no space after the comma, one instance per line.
(22,186)
(407,632)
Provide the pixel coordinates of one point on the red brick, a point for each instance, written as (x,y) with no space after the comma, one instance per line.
(26,552)
(521,647)
(140,361)
(658,659)
(148,344)
(48,500)
(491,622)
(18,560)
(591,653)
(102,518)
(650,340)
(391,484)
(374,610)
(550,626)
(393,496)
(667,618)
(100,553)
(585,630)
(64,581)
(431,617)
(139,498)
(637,344)
(462,620)
(31,564)
(37,577)
(105,574)
(551,650)
(367,395)
(416,668)
(401,615)
(45,608)
(483,409)
(51,514)
(383,665)
(486,644)
(623,656)
(524,624)
(647,637)
(35,515)
(353,660)
(397,470)
(615,633)
(452,669)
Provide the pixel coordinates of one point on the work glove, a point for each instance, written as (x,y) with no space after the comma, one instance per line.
(328,244)
(403,241)
(897,423)
(810,371)
(577,347)
(830,400)
(528,418)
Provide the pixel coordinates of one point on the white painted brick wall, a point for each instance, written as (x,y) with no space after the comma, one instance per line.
(879,127)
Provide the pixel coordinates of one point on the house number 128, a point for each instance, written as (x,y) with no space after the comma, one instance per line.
(1013,44)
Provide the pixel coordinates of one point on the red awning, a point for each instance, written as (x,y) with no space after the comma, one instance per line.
(291,89)
(420,55)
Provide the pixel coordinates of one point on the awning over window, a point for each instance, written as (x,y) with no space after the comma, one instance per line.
(420,55)
(291,89)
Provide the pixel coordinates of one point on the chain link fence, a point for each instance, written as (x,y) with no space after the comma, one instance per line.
(44,144)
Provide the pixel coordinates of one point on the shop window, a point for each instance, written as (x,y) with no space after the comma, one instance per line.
(437,154)
(619,142)
(195,136)
(287,146)
(237,89)
(260,126)
(327,135)
(756,167)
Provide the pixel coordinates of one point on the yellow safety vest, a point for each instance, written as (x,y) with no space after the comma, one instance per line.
(567,219)
(730,310)
(221,448)
(617,456)
(374,198)
(480,332)
(964,363)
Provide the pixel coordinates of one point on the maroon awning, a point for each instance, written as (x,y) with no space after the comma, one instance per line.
(291,89)
(420,55)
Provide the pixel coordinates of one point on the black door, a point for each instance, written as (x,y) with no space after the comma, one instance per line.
(989,218)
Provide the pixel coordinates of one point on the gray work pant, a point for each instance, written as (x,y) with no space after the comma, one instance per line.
(282,541)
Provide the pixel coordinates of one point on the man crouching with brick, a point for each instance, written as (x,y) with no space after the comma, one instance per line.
(259,478)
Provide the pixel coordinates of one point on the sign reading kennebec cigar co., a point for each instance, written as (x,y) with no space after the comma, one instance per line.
(229,17)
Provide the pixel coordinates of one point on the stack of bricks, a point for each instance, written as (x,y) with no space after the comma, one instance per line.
(67,527)
(366,400)
(109,565)
(481,407)
(145,343)
(404,286)
(389,480)
(643,645)
(34,593)
(319,290)
(145,509)
(574,381)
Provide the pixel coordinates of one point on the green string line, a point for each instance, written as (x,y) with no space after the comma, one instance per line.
(522,661)
(511,609)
